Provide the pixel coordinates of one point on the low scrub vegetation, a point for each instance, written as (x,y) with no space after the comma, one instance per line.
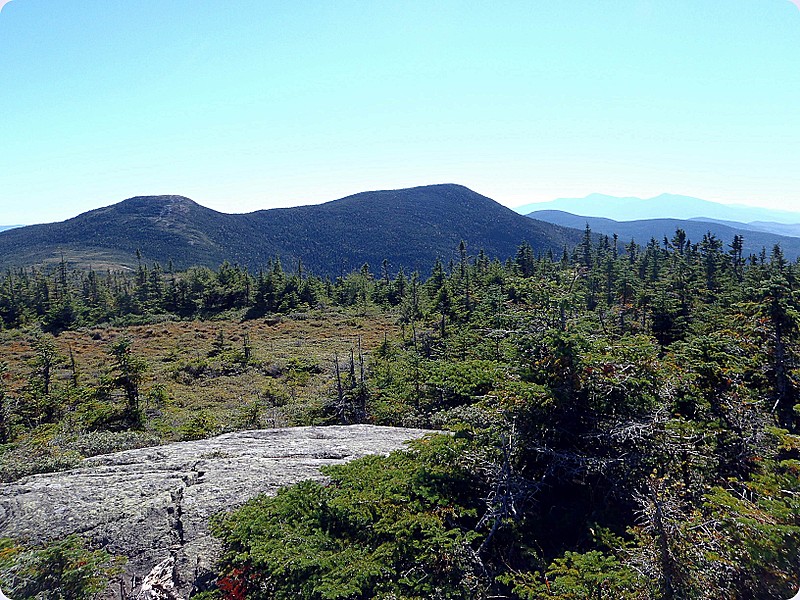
(625,419)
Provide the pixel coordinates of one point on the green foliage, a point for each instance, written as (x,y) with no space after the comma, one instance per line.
(626,418)
(633,391)
(760,522)
(385,527)
(577,576)
(7,412)
(459,382)
(26,459)
(57,451)
(127,373)
(201,425)
(61,570)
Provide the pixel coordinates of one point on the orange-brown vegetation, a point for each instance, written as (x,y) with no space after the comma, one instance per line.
(199,367)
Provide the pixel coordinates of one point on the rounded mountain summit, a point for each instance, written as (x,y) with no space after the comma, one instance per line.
(410,228)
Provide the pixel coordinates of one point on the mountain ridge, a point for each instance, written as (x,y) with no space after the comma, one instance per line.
(645,229)
(409,227)
(675,206)
(787,229)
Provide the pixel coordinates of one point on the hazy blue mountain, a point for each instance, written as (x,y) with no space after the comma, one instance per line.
(6,227)
(410,227)
(767,226)
(644,230)
(665,206)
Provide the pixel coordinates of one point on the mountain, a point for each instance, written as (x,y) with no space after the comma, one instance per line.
(109,237)
(664,206)
(792,230)
(409,227)
(643,230)
(6,227)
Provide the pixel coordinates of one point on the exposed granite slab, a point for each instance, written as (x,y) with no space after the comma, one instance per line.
(152,504)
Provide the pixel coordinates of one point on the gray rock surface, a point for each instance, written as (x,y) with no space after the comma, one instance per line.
(153,504)
(159,584)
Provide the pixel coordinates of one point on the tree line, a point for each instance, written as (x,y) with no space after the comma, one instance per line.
(625,425)
(625,421)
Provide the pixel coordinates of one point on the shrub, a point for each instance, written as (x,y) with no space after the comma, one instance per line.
(61,570)
(396,526)
(202,425)
(29,459)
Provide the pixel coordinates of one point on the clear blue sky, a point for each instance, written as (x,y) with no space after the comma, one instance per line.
(243,105)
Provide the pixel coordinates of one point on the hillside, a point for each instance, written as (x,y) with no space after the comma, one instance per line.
(671,206)
(160,226)
(788,229)
(643,230)
(409,227)
(587,392)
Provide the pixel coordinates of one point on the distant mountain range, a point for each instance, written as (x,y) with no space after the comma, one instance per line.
(669,206)
(792,230)
(644,229)
(5,227)
(408,227)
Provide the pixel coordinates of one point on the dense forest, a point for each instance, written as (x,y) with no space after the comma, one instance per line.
(623,420)
(409,227)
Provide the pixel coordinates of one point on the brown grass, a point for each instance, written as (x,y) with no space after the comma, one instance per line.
(270,386)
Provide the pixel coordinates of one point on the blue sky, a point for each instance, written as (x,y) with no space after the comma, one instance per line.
(243,105)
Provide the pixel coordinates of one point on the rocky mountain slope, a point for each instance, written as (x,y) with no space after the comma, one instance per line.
(152,505)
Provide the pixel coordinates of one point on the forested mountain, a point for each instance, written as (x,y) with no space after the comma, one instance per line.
(408,227)
(672,206)
(645,229)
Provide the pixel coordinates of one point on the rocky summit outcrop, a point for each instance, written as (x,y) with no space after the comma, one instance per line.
(152,505)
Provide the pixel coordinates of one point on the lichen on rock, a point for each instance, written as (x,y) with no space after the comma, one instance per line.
(152,505)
